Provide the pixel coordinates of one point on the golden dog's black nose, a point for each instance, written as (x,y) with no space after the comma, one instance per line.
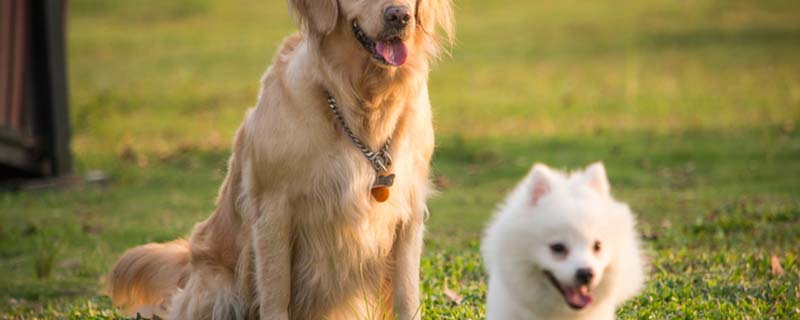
(396,17)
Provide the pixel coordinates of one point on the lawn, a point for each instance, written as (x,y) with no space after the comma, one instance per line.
(692,105)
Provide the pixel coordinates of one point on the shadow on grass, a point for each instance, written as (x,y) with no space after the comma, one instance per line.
(756,37)
(733,189)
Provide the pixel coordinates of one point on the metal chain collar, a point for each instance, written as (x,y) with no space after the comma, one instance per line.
(380,160)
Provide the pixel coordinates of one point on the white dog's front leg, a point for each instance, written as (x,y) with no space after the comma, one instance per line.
(405,280)
(271,237)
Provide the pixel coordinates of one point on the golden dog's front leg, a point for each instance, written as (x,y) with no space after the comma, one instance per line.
(405,281)
(271,236)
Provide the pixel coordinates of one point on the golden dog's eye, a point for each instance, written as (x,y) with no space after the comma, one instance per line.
(597,246)
(558,248)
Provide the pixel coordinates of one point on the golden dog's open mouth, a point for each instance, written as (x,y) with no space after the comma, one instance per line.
(576,297)
(391,50)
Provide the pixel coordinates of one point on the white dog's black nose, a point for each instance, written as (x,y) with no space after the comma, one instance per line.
(396,17)
(584,276)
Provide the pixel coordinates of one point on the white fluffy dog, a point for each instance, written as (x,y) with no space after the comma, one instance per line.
(562,248)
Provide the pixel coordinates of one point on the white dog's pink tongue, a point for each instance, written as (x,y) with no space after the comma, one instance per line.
(394,53)
(576,298)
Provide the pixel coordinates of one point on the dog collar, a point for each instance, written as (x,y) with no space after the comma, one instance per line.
(380,160)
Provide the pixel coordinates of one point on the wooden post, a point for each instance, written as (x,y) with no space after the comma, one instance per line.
(34,113)
(54,78)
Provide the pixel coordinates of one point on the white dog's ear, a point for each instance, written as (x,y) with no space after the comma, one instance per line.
(541,183)
(319,16)
(595,176)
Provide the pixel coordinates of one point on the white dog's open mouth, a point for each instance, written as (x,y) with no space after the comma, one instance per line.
(391,51)
(576,297)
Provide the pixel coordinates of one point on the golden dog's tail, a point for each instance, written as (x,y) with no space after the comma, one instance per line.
(145,277)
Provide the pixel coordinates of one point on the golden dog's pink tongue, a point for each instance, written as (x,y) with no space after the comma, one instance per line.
(394,53)
(576,298)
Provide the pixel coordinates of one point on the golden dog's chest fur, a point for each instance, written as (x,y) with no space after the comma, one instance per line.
(296,233)
(342,240)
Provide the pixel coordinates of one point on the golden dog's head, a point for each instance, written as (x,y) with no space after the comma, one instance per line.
(389,31)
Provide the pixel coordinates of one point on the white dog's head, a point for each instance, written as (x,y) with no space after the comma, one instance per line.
(564,239)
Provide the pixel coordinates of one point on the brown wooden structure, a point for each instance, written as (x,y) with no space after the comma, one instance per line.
(34,117)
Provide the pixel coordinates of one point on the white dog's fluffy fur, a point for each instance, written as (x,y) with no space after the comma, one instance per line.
(551,226)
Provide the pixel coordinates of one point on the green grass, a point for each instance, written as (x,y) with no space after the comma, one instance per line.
(693,106)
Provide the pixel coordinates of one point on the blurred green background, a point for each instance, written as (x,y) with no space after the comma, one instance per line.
(692,105)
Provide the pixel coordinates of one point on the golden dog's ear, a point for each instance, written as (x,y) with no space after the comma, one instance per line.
(318,16)
(435,17)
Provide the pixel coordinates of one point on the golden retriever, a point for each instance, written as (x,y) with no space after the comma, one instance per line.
(302,229)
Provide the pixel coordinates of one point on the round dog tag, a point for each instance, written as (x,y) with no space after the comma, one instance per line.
(381,193)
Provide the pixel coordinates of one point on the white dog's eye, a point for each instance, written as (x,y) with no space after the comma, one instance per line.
(597,246)
(558,248)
